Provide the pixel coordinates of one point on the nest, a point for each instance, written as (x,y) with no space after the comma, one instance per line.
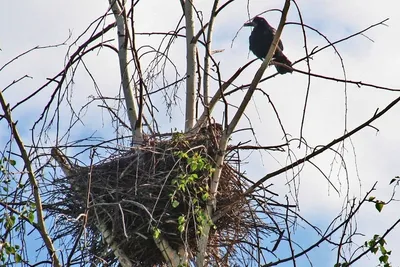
(138,193)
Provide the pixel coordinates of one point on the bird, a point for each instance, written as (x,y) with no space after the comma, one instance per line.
(260,41)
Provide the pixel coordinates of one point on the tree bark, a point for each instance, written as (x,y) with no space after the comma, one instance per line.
(118,10)
(190,67)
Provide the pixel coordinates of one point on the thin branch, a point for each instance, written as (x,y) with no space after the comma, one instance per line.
(208,52)
(119,13)
(33,182)
(211,205)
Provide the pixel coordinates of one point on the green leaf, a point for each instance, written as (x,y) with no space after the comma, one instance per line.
(383,250)
(384,258)
(17,258)
(181,228)
(10,221)
(371,243)
(175,203)
(379,205)
(31,217)
(193,177)
(181,219)
(156,232)
(12,162)
(193,166)
(371,199)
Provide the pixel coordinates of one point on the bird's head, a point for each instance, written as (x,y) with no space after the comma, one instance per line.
(257,22)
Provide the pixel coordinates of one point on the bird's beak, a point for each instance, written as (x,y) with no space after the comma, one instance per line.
(249,24)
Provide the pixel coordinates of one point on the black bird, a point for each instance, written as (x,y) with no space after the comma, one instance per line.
(260,41)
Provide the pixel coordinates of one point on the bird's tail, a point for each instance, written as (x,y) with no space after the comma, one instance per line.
(281,58)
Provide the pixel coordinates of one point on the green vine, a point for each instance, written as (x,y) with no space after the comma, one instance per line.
(196,168)
(377,245)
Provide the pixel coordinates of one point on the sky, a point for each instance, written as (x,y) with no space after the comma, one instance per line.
(333,108)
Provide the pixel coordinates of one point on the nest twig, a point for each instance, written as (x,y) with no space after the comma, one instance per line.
(135,193)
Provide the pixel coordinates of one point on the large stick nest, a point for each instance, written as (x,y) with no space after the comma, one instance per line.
(137,192)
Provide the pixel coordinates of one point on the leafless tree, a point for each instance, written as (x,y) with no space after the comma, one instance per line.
(148,198)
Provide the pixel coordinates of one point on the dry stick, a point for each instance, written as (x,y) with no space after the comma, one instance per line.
(376,243)
(308,69)
(211,205)
(63,73)
(358,83)
(57,153)
(123,64)
(218,95)
(325,236)
(32,180)
(232,125)
(306,158)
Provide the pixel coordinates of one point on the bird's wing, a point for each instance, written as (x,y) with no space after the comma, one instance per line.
(280,44)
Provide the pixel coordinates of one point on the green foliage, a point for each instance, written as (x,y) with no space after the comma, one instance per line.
(9,253)
(179,138)
(10,221)
(4,162)
(181,223)
(377,245)
(345,264)
(196,170)
(379,204)
(156,233)
(9,250)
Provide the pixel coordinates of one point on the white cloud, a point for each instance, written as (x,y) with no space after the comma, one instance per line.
(376,62)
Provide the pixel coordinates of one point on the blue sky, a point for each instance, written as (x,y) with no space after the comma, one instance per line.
(24,24)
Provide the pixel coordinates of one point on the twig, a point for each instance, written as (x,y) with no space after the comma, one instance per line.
(33,182)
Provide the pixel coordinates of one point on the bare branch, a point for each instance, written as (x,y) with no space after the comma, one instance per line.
(118,10)
(33,182)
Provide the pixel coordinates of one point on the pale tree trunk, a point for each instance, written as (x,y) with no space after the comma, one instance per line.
(211,205)
(118,9)
(172,257)
(208,54)
(190,66)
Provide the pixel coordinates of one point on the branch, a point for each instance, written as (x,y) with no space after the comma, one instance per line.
(33,182)
(324,237)
(324,148)
(232,125)
(208,52)
(119,14)
(306,158)
(168,252)
(190,67)
(211,205)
